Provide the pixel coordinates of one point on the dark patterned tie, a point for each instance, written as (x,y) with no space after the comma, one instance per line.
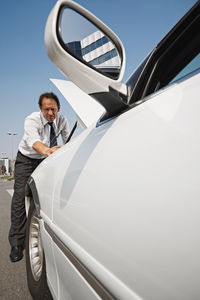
(53,139)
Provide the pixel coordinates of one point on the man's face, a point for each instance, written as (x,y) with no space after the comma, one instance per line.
(49,109)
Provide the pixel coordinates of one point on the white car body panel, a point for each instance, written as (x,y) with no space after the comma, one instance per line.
(87,110)
(68,288)
(119,204)
(46,205)
(141,205)
(51,268)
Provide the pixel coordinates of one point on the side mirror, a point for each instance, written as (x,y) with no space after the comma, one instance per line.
(88,43)
(88,53)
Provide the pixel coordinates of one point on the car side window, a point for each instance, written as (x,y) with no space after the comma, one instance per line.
(194,65)
(174,58)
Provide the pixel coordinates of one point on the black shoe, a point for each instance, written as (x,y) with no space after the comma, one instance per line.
(16,253)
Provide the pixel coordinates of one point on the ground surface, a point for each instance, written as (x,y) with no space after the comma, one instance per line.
(13,284)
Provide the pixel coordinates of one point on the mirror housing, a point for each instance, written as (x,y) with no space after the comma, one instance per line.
(105,89)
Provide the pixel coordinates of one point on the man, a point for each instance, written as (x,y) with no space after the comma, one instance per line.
(41,130)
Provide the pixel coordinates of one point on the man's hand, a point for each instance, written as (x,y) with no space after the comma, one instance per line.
(40,148)
(51,150)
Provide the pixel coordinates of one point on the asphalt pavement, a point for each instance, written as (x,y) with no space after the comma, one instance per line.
(13,283)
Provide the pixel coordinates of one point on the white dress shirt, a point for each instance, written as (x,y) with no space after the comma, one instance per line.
(36,128)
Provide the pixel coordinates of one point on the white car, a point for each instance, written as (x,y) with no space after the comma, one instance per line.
(116,211)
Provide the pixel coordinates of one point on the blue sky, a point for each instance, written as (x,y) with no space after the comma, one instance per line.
(25,67)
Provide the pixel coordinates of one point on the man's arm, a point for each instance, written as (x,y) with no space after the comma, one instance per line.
(42,149)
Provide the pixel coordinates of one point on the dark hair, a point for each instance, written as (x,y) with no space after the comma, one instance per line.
(49,96)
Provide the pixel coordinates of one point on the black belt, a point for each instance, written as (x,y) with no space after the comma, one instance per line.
(34,159)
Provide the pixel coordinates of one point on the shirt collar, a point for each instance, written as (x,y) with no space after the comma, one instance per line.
(44,121)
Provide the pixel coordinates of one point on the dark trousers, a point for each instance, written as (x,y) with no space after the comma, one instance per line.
(24,167)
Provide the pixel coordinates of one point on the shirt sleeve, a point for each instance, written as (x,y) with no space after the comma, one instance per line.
(31,131)
(65,130)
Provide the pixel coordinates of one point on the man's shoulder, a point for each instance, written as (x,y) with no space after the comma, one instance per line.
(34,116)
(34,119)
(61,122)
(61,119)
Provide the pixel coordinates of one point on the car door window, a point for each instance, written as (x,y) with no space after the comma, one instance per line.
(175,58)
(194,65)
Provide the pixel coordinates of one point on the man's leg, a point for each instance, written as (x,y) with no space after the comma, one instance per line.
(23,169)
